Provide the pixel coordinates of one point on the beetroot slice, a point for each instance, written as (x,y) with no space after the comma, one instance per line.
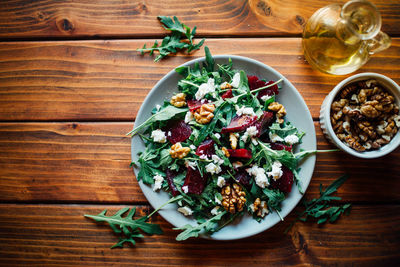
(278,146)
(206,148)
(239,123)
(180,131)
(243,177)
(284,183)
(194,104)
(263,122)
(255,83)
(194,182)
(170,179)
(240,153)
(227,94)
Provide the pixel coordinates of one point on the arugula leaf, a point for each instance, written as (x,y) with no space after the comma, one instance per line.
(208,226)
(164,114)
(209,63)
(126,225)
(275,197)
(173,43)
(282,131)
(320,209)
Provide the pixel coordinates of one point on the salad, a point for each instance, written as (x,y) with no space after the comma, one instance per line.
(221,147)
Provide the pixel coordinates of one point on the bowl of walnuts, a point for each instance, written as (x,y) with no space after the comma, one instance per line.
(361,115)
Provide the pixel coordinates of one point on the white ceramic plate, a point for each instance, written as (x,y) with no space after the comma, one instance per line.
(297,113)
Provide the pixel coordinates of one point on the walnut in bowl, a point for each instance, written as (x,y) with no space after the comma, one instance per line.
(361,115)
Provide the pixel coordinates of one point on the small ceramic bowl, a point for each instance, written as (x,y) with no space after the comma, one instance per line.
(325,115)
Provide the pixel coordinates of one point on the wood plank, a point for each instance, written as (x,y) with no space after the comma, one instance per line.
(117,18)
(89,162)
(108,80)
(59,234)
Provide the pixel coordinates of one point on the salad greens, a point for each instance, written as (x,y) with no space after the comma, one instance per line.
(175,41)
(265,173)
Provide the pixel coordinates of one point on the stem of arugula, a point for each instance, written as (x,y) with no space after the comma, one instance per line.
(174,199)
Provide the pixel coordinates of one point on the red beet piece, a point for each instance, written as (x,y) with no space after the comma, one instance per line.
(194,182)
(180,131)
(170,179)
(227,94)
(243,177)
(206,148)
(240,153)
(194,104)
(255,83)
(278,146)
(239,123)
(284,183)
(263,122)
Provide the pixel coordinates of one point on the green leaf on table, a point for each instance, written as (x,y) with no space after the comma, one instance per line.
(174,42)
(126,226)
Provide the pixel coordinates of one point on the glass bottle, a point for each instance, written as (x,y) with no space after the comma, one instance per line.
(340,39)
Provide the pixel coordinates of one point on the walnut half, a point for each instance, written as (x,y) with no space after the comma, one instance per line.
(233,199)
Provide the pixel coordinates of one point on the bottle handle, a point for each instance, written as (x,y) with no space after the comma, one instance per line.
(379,43)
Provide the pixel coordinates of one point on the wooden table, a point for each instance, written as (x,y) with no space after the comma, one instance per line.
(71,85)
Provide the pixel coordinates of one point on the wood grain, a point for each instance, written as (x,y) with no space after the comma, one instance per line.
(59,234)
(89,163)
(108,80)
(118,18)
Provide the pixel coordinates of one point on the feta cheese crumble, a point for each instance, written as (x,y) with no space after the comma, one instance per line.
(185,189)
(192,147)
(276,171)
(158,136)
(217,160)
(235,80)
(185,210)
(221,181)
(266,97)
(244,111)
(190,164)
(205,88)
(250,132)
(275,138)
(158,179)
(260,177)
(291,139)
(212,168)
(188,117)
(215,210)
(217,135)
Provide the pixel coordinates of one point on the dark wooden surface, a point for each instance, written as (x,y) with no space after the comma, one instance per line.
(70,88)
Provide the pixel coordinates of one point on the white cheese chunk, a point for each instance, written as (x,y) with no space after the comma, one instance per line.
(275,138)
(158,179)
(260,177)
(235,80)
(215,210)
(188,117)
(276,171)
(221,181)
(212,168)
(205,88)
(291,139)
(185,210)
(158,136)
(244,111)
